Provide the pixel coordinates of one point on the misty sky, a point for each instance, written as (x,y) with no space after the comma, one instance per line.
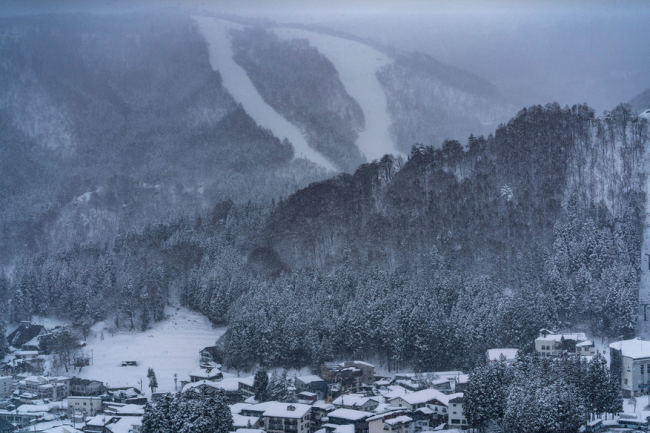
(535,52)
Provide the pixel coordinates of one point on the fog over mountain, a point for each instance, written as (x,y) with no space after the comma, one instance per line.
(403,183)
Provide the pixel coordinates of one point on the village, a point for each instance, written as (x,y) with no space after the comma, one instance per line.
(343,397)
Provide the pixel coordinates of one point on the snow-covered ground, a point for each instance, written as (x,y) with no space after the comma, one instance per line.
(171,346)
(357,65)
(235,79)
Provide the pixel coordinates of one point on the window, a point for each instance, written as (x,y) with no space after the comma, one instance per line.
(455,421)
(641,368)
(625,381)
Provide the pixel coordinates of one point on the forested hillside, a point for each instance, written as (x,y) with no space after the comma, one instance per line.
(109,123)
(443,255)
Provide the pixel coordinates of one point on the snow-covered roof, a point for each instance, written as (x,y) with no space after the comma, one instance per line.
(244,421)
(249,430)
(384,415)
(322,405)
(424,396)
(237,407)
(382,382)
(62,429)
(246,380)
(200,383)
(309,379)
(635,348)
(364,363)
(576,336)
(345,428)
(353,400)
(462,378)
(398,420)
(215,372)
(425,410)
(128,409)
(587,343)
(495,354)
(450,397)
(287,410)
(352,415)
(125,424)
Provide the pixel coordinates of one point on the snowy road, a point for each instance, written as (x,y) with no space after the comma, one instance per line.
(242,89)
(357,65)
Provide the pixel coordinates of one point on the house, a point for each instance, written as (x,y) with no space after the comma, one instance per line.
(392,422)
(629,363)
(461,382)
(86,405)
(348,375)
(85,387)
(246,386)
(210,354)
(307,397)
(353,417)
(100,424)
(24,334)
(126,424)
(356,402)
(510,355)
(312,383)
(319,412)
(586,348)
(241,422)
(456,415)
(211,374)
(5,385)
(431,399)
(39,388)
(287,418)
(551,344)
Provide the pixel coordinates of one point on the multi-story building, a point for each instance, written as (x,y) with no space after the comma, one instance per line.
(39,388)
(85,387)
(456,415)
(5,385)
(629,362)
(312,383)
(85,405)
(350,417)
(393,422)
(551,344)
(287,418)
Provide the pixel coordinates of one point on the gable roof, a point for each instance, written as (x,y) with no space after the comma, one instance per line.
(349,414)
(424,396)
(24,333)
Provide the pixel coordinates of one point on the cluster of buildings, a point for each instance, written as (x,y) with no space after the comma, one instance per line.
(345,397)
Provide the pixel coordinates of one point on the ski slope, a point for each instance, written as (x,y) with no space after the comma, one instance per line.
(235,79)
(169,347)
(357,65)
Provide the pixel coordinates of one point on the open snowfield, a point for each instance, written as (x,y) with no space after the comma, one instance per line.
(169,347)
(242,89)
(357,65)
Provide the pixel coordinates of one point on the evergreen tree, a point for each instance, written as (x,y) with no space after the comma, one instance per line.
(261,385)
(153,383)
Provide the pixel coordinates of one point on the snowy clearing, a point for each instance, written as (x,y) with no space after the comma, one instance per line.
(357,65)
(235,79)
(170,347)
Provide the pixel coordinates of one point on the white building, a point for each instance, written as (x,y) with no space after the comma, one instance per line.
(551,344)
(456,415)
(86,405)
(509,354)
(631,359)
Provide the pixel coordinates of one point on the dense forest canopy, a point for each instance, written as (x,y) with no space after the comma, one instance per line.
(425,262)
